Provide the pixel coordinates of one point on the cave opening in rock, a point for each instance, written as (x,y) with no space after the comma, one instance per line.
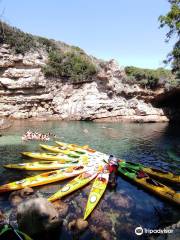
(171,99)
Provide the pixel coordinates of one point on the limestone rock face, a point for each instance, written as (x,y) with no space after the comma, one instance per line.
(26,93)
(4,124)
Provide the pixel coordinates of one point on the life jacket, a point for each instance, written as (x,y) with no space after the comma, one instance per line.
(113,168)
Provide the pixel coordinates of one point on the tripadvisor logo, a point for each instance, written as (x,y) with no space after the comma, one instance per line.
(139,231)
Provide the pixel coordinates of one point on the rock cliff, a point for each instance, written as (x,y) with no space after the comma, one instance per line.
(25,93)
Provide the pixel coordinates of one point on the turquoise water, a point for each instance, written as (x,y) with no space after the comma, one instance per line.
(127,206)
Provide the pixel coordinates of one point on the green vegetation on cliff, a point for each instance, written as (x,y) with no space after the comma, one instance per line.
(22,42)
(64,61)
(150,78)
(70,65)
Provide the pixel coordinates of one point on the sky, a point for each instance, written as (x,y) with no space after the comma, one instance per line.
(126,30)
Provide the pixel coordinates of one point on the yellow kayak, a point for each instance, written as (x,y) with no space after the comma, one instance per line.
(43,178)
(159,189)
(77,147)
(52,156)
(75,184)
(97,190)
(150,184)
(162,175)
(93,157)
(41,165)
(63,150)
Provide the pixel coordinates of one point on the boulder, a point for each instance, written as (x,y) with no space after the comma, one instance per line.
(38,216)
(78,225)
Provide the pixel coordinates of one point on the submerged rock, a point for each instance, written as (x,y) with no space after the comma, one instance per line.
(17,197)
(122,201)
(78,225)
(26,192)
(81,224)
(38,216)
(101,219)
(71,225)
(101,233)
(105,235)
(85,131)
(61,207)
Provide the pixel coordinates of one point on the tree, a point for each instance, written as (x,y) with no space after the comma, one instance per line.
(172,21)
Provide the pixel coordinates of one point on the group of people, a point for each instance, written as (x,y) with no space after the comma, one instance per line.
(30,135)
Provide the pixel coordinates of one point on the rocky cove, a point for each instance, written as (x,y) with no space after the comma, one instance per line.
(25,92)
(121,180)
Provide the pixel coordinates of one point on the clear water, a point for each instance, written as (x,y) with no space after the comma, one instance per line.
(124,208)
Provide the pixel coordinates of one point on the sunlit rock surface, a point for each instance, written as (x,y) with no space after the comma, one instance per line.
(26,93)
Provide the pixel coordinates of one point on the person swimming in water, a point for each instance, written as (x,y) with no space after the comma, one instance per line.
(30,135)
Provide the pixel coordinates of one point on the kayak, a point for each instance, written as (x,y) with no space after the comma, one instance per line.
(142,179)
(43,178)
(74,146)
(95,156)
(51,156)
(72,186)
(41,165)
(97,190)
(47,165)
(153,172)
(63,150)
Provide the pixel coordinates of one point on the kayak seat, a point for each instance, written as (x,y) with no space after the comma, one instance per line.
(51,174)
(45,162)
(51,154)
(102,179)
(142,174)
(133,164)
(153,182)
(128,170)
(159,171)
(78,167)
